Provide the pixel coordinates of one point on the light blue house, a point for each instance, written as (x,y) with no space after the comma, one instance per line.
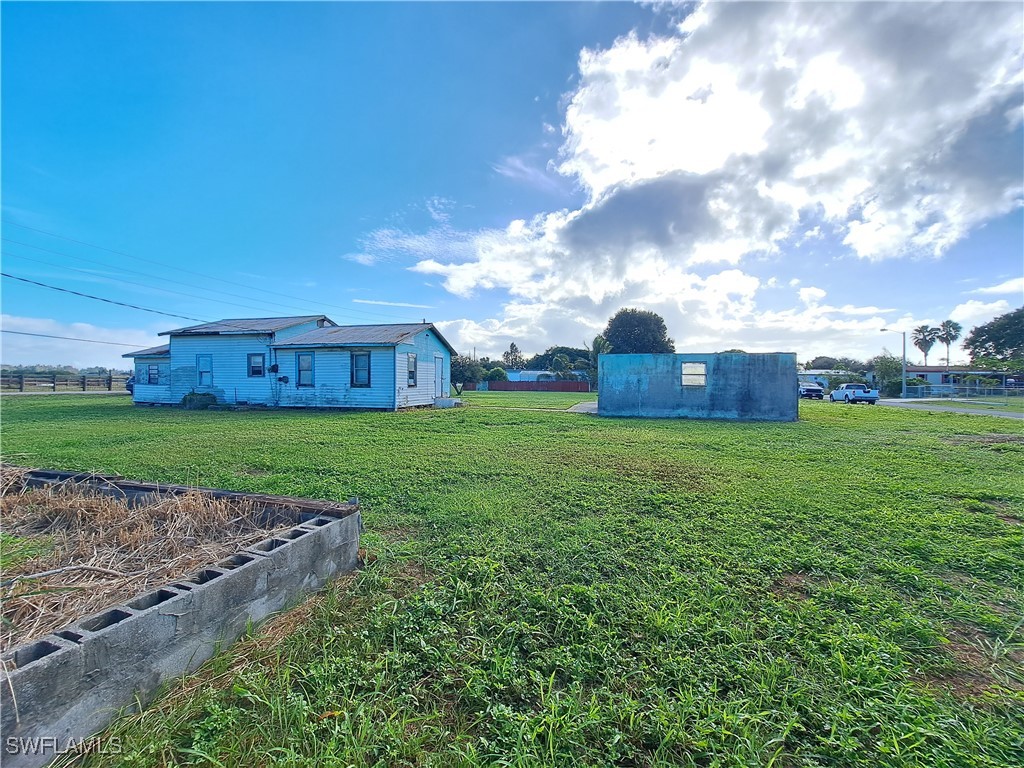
(726,385)
(306,361)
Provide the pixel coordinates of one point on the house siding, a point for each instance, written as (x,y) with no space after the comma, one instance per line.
(426,347)
(231,382)
(152,393)
(332,379)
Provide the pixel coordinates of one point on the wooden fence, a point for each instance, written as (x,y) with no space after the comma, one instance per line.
(47,384)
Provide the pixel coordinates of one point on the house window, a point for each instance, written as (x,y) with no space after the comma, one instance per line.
(695,374)
(257,365)
(204,368)
(304,369)
(412,370)
(153,374)
(360,369)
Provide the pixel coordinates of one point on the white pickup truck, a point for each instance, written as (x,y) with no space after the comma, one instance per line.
(854,393)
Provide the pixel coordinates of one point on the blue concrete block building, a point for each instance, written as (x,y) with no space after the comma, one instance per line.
(754,387)
(308,361)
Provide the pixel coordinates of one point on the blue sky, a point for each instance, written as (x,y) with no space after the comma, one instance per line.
(768,177)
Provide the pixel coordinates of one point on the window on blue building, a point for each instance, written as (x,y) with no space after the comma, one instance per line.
(257,365)
(204,370)
(695,374)
(304,369)
(360,369)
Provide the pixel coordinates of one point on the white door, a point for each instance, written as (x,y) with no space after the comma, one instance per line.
(439,377)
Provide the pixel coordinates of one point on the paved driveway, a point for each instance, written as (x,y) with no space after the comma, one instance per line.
(950,409)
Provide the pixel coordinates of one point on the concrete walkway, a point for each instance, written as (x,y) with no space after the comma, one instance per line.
(587,407)
(920,406)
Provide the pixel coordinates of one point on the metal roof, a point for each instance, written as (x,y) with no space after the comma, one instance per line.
(245,325)
(161,351)
(363,335)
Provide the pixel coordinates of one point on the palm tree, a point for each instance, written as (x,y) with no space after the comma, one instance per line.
(949,331)
(924,337)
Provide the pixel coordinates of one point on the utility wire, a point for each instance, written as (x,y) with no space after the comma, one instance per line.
(100,298)
(216,291)
(69,338)
(236,325)
(120,280)
(191,272)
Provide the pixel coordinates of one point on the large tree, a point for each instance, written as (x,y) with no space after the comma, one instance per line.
(924,337)
(637,331)
(949,331)
(513,358)
(578,357)
(1002,338)
(466,369)
(888,369)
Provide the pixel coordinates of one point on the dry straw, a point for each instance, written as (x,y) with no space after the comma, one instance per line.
(98,551)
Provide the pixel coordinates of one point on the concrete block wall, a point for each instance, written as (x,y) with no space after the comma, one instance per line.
(752,387)
(71,684)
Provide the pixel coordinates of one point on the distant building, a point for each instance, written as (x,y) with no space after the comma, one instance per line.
(308,361)
(954,375)
(540,375)
(755,387)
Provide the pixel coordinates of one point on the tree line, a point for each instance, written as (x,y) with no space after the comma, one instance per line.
(629,331)
(997,345)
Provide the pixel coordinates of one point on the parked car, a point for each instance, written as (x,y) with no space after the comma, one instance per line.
(130,384)
(811,391)
(854,393)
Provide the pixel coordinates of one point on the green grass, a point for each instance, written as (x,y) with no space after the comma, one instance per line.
(1014,404)
(14,550)
(556,401)
(557,589)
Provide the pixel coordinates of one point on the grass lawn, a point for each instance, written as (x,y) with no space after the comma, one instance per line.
(558,589)
(1015,404)
(555,401)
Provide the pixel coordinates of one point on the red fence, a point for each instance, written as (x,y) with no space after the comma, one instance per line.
(530,386)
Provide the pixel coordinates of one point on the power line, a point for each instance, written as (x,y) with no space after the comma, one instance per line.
(192,272)
(100,298)
(120,280)
(218,292)
(69,338)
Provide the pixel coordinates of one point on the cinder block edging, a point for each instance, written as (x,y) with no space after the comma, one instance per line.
(69,685)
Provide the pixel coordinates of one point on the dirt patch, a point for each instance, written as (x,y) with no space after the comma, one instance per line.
(396,534)
(76,552)
(978,666)
(983,439)
(795,585)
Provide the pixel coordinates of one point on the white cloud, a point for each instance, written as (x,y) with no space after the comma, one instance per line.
(973,312)
(811,295)
(1013,285)
(391,303)
(523,170)
(888,127)
(388,244)
(439,209)
(28,350)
